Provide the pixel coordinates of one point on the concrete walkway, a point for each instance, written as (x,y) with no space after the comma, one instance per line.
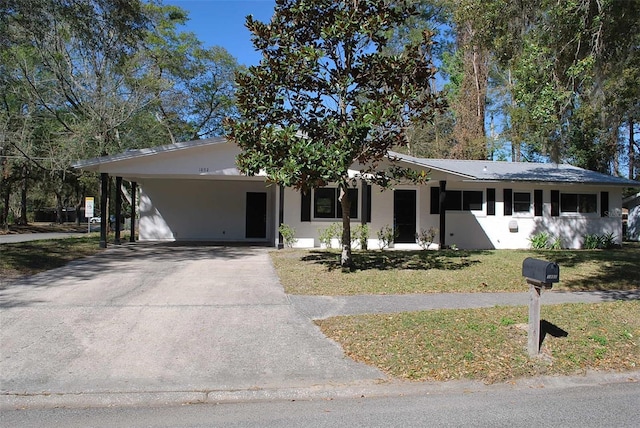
(320,307)
(173,324)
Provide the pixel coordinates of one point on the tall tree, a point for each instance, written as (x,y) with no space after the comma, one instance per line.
(325,96)
(195,85)
(95,77)
(575,74)
(470,99)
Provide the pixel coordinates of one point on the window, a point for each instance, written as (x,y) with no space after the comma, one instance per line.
(472,201)
(324,203)
(578,203)
(521,202)
(327,205)
(453,200)
(462,200)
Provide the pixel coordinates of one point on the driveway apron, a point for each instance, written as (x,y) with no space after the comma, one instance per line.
(161,318)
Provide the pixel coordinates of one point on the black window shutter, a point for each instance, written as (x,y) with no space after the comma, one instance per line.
(508,202)
(491,201)
(555,203)
(537,203)
(604,204)
(435,200)
(368,207)
(305,210)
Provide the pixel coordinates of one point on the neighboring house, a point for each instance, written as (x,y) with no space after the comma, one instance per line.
(632,203)
(193,191)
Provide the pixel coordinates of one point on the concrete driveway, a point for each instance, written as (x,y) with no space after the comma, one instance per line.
(162,319)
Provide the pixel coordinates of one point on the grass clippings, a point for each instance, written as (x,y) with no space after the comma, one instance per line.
(317,272)
(491,344)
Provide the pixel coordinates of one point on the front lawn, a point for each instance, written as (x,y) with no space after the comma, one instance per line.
(490,344)
(317,272)
(28,258)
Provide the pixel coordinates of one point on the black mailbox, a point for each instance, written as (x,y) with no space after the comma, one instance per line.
(540,271)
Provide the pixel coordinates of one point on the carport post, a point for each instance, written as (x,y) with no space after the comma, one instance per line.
(104,197)
(280,217)
(134,189)
(118,209)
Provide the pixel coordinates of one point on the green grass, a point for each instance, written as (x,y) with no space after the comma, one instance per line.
(317,272)
(491,344)
(28,258)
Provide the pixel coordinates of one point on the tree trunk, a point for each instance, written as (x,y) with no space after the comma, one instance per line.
(4,219)
(59,210)
(346,260)
(632,152)
(80,191)
(23,196)
(469,107)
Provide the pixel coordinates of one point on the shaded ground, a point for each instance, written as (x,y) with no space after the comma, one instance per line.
(44,228)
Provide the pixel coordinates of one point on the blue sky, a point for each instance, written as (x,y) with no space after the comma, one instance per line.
(221,23)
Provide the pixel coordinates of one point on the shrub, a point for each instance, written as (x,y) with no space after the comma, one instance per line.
(540,241)
(425,237)
(594,241)
(360,234)
(386,235)
(334,230)
(591,242)
(608,240)
(288,235)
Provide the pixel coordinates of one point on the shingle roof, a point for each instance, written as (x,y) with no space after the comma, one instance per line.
(483,170)
(472,170)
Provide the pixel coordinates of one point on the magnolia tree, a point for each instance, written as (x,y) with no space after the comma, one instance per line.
(327,94)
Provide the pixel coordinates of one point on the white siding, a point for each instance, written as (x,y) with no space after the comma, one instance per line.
(198,210)
(475,229)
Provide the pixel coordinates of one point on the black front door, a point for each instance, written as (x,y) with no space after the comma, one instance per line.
(256,223)
(404,216)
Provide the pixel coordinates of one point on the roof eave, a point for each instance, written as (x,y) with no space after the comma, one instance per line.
(94,164)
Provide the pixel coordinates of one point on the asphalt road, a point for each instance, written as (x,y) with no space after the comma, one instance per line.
(608,405)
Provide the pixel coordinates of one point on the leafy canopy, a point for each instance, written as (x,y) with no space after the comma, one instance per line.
(326,94)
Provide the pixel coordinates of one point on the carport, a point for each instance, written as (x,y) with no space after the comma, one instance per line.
(188,192)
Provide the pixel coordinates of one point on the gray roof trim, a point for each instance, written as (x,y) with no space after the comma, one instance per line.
(139,153)
(496,171)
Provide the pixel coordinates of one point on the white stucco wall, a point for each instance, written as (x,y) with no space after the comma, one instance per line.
(204,162)
(198,210)
(475,229)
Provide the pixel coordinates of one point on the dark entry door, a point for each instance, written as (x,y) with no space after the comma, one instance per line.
(256,223)
(404,216)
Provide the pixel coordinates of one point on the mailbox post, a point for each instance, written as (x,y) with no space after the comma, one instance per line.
(540,274)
